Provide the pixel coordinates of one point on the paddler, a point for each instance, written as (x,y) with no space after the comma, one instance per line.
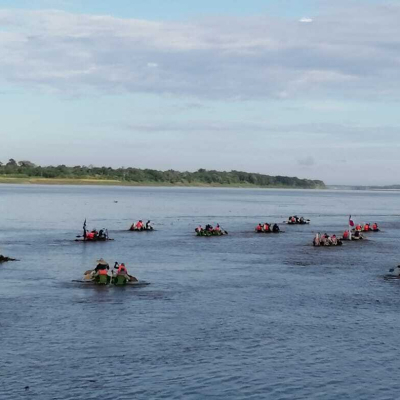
(375,226)
(90,235)
(259,228)
(148,226)
(102,268)
(139,225)
(358,228)
(122,270)
(275,228)
(395,271)
(366,227)
(346,235)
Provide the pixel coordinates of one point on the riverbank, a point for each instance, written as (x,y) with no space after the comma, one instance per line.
(112,182)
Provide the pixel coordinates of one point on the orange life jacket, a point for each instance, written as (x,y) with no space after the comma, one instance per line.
(358,228)
(90,236)
(345,234)
(122,269)
(374,227)
(102,272)
(366,227)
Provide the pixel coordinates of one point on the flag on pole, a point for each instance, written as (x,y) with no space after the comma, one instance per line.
(84,225)
(351,222)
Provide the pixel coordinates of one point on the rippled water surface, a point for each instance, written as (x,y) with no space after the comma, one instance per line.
(243,316)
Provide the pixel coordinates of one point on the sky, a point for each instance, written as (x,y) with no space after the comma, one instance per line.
(306,88)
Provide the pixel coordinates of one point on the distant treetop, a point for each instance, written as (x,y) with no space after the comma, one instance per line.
(202,176)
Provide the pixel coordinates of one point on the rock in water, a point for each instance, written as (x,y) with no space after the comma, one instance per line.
(5,259)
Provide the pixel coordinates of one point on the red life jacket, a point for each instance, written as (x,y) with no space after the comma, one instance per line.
(358,228)
(346,234)
(374,227)
(90,236)
(366,227)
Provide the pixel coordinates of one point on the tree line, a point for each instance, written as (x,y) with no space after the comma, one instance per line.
(27,169)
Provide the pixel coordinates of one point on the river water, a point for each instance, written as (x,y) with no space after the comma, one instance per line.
(243,316)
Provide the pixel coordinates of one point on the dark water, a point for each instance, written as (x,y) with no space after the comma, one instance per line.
(244,316)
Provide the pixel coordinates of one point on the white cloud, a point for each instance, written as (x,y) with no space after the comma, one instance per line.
(306,20)
(350,52)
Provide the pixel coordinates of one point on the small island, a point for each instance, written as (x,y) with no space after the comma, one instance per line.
(28,172)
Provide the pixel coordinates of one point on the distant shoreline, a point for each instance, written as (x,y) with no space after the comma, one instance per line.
(111,182)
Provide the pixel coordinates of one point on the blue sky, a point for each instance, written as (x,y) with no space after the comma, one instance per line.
(299,88)
(170,9)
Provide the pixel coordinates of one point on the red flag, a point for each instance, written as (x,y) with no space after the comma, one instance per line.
(351,222)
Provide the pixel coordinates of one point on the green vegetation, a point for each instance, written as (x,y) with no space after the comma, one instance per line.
(27,172)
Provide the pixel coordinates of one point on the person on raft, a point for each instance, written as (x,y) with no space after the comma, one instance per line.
(395,271)
(91,235)
(346,235)
(275,228)
(375,227)
(139,225)
(121,270)
(148,226)
(326,240)
(102,268)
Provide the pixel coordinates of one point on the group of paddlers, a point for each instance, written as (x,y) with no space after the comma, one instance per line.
(119,274)
(354,234)
(366,227)
(209,230)
(267,228)
(292,220)
(94,234)
(326,240)
(140,226)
